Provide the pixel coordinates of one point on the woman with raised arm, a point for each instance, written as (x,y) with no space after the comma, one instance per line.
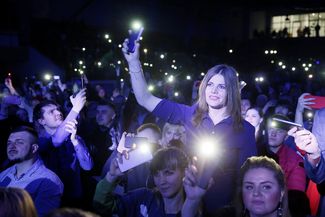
(217,113)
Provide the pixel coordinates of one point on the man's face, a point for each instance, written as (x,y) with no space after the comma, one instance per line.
(19,147)
(52,117)
(276,136)
(104,116)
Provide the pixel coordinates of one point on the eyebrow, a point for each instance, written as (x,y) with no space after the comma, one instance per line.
(264,182)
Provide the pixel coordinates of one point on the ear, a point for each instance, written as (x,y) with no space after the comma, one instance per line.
(41,121)
(35,148)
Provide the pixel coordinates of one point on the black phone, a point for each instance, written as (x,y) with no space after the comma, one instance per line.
(134,36)
(133,141)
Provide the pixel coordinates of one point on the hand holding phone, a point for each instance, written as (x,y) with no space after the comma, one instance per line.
(139,152)
(133,37)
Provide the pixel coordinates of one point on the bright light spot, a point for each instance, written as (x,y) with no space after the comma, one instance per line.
(176,94)
(151,87)
(99,63)
(230,51)
(151,65)
(271,51)
(75,69)
(266,52)
(309,114)
(144,148)
(136,25)
(106,36)
(83,67)
(83,49)
(145,50)
(273,124)
(126,69)
(202,74)
(272,61)
(175,67)
(80,62)
(119,45)
(257,79)
(174,61)
(47,77)
(309,65)
(121,80)
(194,55)
(275,51)
(162,56)
(306,68)
(166,73)
(188,77)
(310,76)
(141,38)
(207,147)
(280,63)
(284,66)
(81,72)
(171,78)
(261,79)
(109,40)
(237,74)
(293,68)
(119,62)
(304,65)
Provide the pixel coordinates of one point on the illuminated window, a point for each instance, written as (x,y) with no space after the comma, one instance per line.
(299,25)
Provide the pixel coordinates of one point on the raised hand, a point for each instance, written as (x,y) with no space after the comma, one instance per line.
(132,58)
(306,141)
(71,127)
(78,102)
(304,103)
(114,171)
(193,191)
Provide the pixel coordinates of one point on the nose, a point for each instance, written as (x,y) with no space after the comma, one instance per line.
(256,192)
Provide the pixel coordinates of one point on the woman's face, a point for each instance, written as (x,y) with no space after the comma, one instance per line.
(216,92)
(261,192)
(169,182)
(253,117)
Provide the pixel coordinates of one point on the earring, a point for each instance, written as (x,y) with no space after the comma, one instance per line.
(280,210)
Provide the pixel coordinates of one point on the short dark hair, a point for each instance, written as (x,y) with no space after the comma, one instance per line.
(151,126)
(31,131)
(278,125)
(38,110)
(106,103)
(171,158)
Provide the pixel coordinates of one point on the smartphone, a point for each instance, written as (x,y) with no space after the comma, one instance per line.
(137,156)
(134,141)
(287,122)
(319,101)
(56,77)
(134,36)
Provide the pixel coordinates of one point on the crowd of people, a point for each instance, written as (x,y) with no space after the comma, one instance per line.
(65,145)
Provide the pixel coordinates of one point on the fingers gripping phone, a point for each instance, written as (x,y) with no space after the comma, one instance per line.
(134,36)
(140,152)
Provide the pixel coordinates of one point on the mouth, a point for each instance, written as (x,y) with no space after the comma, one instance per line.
(213,97)
(258,202)
(12,152)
